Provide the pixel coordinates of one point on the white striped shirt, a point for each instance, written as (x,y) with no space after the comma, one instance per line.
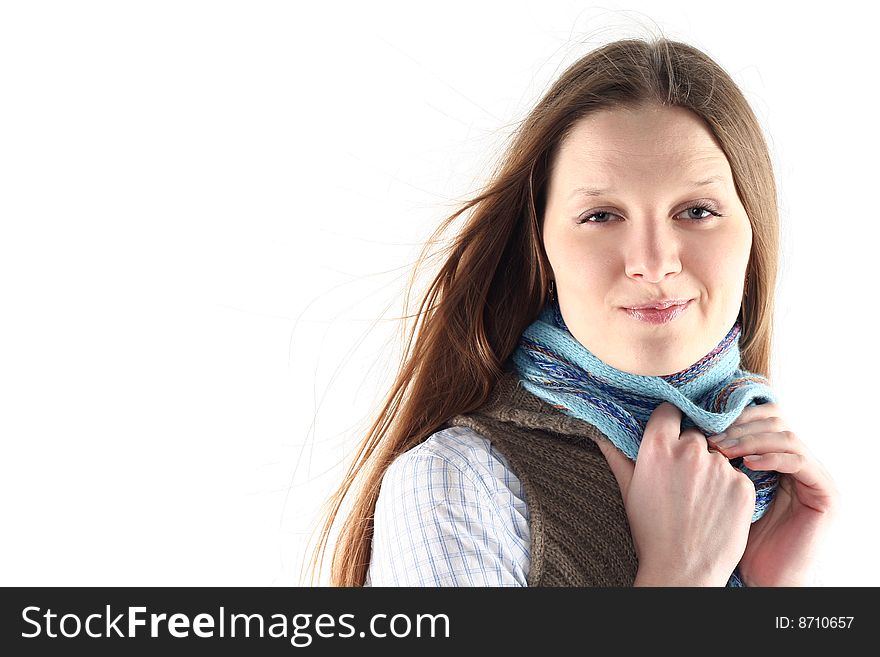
(450,512)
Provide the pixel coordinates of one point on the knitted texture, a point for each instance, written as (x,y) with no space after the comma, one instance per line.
(711,393)
(579,533)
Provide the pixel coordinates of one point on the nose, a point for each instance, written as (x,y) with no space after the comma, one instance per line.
(651,252)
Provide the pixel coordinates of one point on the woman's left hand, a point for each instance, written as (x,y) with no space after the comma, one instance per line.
(783,542)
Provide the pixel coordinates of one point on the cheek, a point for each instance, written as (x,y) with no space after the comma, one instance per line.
(580,263)
(714,265)
(720,263)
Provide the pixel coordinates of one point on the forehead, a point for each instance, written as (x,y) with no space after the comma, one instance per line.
(641,141)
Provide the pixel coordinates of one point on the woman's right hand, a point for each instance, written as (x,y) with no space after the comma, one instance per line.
(689,509)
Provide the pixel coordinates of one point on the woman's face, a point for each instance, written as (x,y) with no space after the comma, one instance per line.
(643,241)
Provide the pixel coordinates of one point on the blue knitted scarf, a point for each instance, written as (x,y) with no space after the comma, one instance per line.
(711,393)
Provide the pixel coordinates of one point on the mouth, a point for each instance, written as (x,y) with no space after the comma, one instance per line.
(661,305)
(660,313)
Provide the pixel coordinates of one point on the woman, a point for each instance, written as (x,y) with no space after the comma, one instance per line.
(505,453)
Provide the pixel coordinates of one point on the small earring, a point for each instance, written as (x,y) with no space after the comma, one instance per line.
(552,290)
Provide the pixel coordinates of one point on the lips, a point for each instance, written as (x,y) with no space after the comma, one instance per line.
(660,305)
(658,315)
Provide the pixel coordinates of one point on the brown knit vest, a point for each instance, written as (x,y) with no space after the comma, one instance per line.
(579,533)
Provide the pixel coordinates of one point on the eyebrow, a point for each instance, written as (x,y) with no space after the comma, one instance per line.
(595,191)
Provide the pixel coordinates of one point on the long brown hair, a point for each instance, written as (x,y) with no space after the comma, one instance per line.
(494,276)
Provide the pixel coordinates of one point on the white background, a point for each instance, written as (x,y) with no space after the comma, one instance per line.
(208,210)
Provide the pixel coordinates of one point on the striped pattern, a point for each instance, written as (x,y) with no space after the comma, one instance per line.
(450,512)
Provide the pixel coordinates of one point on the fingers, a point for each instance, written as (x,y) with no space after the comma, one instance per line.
(781,462)
(815,488)
(802,467)
(664,423)
(736,448)
(756,412)
(780,450)
(769,421)
(757,442)
(759,430)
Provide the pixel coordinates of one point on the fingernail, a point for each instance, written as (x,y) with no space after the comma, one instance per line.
(716,437)
(753,457)
(728,442)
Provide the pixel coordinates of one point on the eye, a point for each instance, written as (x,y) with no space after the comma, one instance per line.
(700,207)
(585,218)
